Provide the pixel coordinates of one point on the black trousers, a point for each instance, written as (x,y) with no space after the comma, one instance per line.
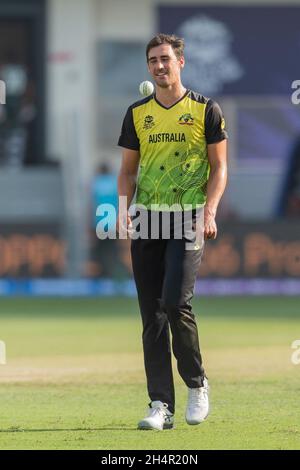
(165,273)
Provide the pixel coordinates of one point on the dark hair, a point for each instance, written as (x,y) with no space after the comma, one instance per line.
(176,43)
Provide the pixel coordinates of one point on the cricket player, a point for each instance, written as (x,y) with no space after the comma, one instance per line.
(173,152)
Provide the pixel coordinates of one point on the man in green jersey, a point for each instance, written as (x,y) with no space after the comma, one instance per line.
(174,153)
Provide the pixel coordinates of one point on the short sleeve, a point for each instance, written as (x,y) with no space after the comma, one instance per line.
(128,137)
(214,123)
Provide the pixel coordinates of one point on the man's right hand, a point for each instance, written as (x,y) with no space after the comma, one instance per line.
(123,222)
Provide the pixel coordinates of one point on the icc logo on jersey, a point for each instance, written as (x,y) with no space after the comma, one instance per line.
(148,122)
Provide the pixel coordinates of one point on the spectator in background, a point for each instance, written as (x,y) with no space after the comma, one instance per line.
(106,257)
(290,200)
(104,190)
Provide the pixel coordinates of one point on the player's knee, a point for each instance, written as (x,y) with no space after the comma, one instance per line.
(175,309)
(171,306)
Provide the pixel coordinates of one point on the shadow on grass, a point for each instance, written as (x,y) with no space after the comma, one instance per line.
(111,428)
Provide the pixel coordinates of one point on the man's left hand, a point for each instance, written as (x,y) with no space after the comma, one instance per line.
(210,226)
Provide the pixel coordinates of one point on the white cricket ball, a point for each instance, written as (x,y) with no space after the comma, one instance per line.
(146,88)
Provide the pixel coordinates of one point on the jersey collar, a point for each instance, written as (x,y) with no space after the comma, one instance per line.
(174,104)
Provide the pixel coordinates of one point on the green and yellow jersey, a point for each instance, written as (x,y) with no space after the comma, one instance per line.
(172,142)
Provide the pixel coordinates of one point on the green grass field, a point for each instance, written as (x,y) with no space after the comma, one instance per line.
(74,377)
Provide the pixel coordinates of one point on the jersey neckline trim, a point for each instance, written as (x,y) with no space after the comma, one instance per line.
(174,104)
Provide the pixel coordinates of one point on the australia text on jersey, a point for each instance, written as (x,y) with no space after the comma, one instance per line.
(166,137)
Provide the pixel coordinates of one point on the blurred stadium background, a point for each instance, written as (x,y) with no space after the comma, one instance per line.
(71,69)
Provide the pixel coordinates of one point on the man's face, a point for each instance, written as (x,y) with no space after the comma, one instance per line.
(164,66)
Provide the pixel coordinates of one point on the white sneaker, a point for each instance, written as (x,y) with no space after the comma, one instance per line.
(198,405)
(159,417)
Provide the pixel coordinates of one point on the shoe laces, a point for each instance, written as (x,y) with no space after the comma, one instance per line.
(159,410)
